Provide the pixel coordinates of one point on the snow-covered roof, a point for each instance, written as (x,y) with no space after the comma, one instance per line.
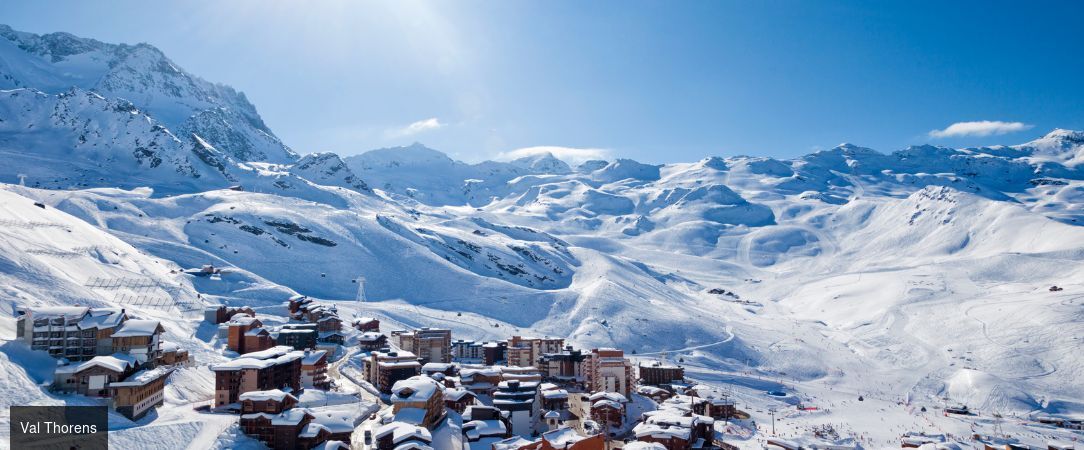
(612,396)
(512,443)
(486,372)
(414,389)
(143,377)
(414,416)
(256,331)
(313,357)
(277,395)
(370,336)
(401,431)
(291,416)
(241,319)
(552,415)
(312,430)
(436,367)
(280,354)
(523,385)
(651,390)
(336,420)
(332,445)
(363,320)
(456,394)
(138,327)
(168,346)
(102,318)
(50,312)
(641,445)
(562,437)
(662,431)
(555,394)
(476,429)
(605,404)
(398,364)
(117,362)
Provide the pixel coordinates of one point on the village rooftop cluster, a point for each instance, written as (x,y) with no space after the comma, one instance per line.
(428,390)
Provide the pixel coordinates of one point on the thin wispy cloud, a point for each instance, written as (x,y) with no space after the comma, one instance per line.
(979,128)
(420,126)
(571,155)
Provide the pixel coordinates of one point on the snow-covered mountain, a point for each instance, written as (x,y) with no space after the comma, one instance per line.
(906,277)
(141,74)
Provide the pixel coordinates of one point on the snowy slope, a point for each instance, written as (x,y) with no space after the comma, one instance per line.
(915,278)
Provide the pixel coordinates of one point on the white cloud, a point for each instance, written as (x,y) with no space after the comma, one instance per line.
(420,126)
(571,155)
(979,128)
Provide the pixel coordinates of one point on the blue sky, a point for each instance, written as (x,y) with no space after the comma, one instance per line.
(654,81)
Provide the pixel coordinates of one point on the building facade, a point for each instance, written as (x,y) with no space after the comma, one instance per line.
(607,370)
(72,332)
(275,368)
(429,344)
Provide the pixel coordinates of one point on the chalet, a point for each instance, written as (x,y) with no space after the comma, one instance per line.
(676,432)
(237,329)
(484,425)
(458,399)
(275,368)
(172,355)
(92,378)
(281,431)
(657,394)
(721,407)
(520,400)
(524,374)
(480,381)
(272,401)
(371,340)
(300,336)
(555,400)
(446,369)
(217,314)
(659,374)
(331,337)
(401,435)
(608,408)
(297,302)
(76,333)
(314,370)
(139,338)
(418,400)
(384,368)
(141,392)
(558,439)
(328,323)
(366,324)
